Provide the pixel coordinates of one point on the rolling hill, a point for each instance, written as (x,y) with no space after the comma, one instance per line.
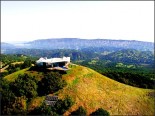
(76,43)
(130,56)
(93,90)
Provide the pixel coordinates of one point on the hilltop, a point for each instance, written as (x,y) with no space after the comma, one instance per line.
(92,90)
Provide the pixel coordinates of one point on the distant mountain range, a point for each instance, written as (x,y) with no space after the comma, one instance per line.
(75,43)
(7,46)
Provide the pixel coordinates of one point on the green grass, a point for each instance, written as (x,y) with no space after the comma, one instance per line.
(92,62)
(75,81)
(13,76)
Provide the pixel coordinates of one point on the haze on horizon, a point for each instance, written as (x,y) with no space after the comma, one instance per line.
(31,20)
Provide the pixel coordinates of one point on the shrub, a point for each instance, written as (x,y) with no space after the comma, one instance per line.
(51,83)
(62,105)
(25,85)
(80,111)
(7,98)
(27,63)
(42,110)
(19,106)
(101,112)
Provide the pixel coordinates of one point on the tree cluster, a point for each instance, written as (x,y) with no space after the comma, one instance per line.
(58,109)
(16,95)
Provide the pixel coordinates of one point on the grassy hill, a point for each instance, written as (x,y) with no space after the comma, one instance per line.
(93,90)
(13,76)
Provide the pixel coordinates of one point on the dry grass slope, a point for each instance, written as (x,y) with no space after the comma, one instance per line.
(93,90)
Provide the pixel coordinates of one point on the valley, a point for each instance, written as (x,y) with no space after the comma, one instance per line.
(118,79)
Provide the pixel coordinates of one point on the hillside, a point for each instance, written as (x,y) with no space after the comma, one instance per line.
(93,90)
(130,56)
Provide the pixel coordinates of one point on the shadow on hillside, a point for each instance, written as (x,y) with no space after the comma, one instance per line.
(44,70)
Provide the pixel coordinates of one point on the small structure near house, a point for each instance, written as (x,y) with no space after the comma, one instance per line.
(51,100)
(54,63)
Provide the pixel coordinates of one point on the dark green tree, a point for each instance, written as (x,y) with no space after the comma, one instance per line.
(51,83)
(7,97)
(27,63)
(25,85)
(80,112)
(62,105)
(42,110)
(100,112)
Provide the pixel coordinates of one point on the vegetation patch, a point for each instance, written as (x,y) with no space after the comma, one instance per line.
(14,75)
(35,102)
(75,81)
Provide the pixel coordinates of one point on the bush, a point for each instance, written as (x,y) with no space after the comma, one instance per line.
(19,106)
(42,110)
(101,112)
(58,109)
(25,85)
(80,111)
(62,105)
(27,63)
(7,98)
(51,83)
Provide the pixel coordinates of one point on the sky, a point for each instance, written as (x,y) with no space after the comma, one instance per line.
(32,20)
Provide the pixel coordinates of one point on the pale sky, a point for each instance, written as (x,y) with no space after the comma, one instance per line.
(31,20)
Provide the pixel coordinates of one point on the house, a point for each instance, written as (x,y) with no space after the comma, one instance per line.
(53,62)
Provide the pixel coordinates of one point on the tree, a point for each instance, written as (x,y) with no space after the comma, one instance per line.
(43,109)
(25,85)
(19,106)
(51,83)
(62,105)
(27,63)
(80,111)
(8,97)
(101,112)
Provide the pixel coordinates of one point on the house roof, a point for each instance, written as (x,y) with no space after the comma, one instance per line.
(54,60)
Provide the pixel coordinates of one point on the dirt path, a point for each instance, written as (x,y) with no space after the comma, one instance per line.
(3,69)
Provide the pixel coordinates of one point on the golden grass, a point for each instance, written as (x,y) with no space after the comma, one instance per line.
(4,69)
(93,90)
(35,102)
(17,63)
